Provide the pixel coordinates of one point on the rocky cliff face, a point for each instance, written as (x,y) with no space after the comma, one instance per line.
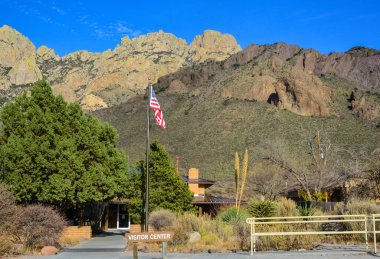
(258,73)
(284,75)
(100,80)
(18,65)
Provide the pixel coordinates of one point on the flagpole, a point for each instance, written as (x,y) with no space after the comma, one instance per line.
(147,162)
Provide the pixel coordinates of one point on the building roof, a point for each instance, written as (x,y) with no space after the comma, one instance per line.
(212,200)
(332,183)
(198,181)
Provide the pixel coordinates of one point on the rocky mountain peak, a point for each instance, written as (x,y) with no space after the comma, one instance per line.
(214,45)
(288,73)
(17,59)
(155,41)
(45,54)
(360,51)
(99,80)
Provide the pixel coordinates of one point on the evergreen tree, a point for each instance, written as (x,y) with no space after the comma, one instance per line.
(166,188)
(51,152)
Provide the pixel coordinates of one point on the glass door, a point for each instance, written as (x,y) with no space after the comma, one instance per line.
(123,217)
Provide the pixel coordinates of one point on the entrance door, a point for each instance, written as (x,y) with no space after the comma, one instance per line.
(112,216)
(123,219)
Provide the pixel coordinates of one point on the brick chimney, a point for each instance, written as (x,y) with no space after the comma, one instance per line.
(195,187)
(194,173)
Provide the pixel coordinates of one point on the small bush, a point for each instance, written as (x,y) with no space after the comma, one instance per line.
(262,209)
(221,229)
(287,208)
(210,238)
(189,222)
(8,208)
(181,237)
(39,226)
(162,219)
(242,231)
(6,245)
(8,218)
(356,207)
(306,211)
(231,215)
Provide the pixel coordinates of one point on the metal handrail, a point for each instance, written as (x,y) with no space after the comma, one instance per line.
(308,220)
(375,218)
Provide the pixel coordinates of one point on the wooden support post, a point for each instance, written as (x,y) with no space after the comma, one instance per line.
(164,250)
(135,251)
(107,212)
(374,233)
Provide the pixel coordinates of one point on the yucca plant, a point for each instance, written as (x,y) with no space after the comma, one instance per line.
(237,168)
(262,209)
(230,215)
(306,211)
(243,177)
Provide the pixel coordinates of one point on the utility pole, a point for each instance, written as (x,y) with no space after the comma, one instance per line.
(318,149)
(177,164)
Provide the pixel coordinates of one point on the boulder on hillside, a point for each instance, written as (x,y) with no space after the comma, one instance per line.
(194,237)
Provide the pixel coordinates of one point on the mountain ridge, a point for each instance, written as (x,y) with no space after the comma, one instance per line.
(98,80)
(102,79)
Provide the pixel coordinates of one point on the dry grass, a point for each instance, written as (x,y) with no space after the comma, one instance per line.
(287,208)
(356,207)
(234,235)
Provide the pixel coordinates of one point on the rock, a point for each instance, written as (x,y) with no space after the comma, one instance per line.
(46,54)
(213,45)
(91,102)
(100,80)
(302,94)
(362,69)
(49,250)
(364,107)
(287,88)
(194,237)
(177,86)
(17,59)
(18,248)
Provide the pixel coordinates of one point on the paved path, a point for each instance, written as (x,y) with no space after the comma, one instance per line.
(111,246)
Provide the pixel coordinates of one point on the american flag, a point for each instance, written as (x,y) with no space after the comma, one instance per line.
(155,106)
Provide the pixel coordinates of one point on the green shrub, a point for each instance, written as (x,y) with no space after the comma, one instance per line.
(261,209)
(306,211)
(162,218)
(230,215)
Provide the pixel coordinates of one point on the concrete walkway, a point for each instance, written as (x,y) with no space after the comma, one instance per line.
(111,246)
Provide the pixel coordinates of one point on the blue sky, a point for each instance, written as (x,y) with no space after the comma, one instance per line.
(71,25)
